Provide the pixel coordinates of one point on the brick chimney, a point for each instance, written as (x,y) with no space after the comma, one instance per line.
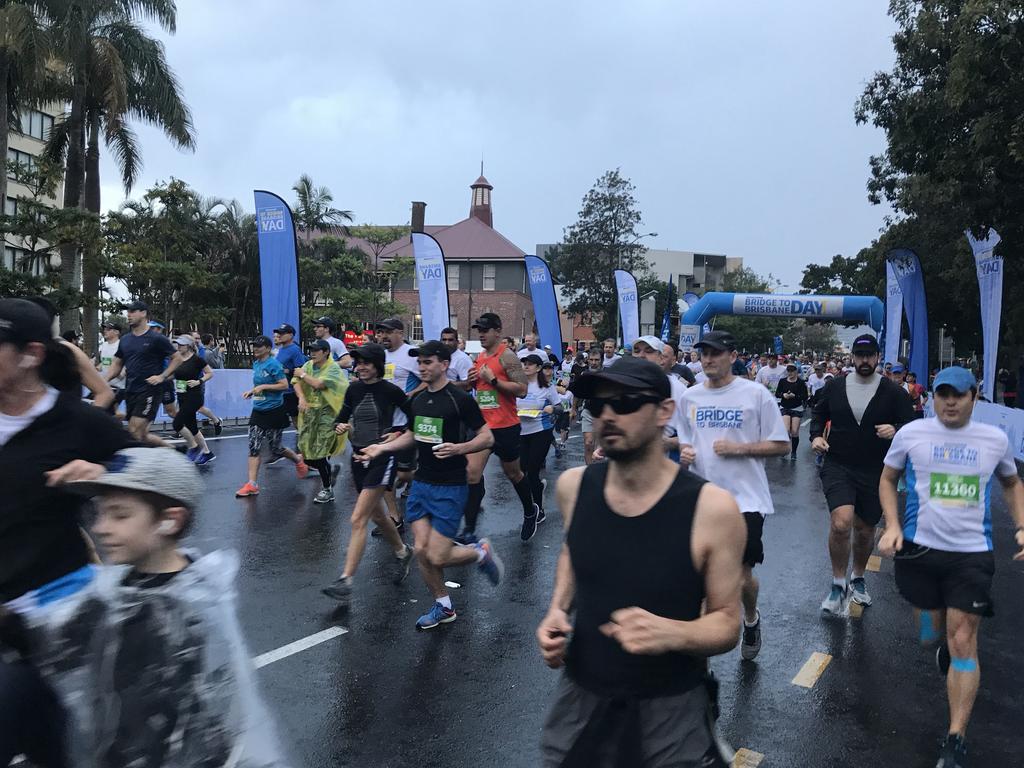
(419,215)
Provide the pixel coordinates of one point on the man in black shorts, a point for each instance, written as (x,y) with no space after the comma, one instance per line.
(634,690)
(440,418)
(864,410)
(141,355)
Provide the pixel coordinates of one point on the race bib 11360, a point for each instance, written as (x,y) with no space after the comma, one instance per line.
(956,490)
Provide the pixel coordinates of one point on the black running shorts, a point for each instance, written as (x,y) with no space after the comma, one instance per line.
(506,443)
(753,553)
(405,461)
(933,579)
(167,395)
(379,474)
(143,404)
(846,485)
(291,405)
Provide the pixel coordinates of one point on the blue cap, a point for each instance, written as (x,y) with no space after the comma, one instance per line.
(956,377)
(897,368)
(155,324)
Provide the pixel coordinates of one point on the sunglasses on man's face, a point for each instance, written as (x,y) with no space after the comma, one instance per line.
(622,404)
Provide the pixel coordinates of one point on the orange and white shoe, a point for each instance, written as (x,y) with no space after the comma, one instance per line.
(301,469)
(249,489)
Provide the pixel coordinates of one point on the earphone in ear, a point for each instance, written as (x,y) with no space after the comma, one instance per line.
(27,361)
(167,526)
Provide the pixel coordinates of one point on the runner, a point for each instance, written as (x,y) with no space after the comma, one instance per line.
(209,355)
(105,358)
(634,691)
(537,412)
(141,355)
(269,416)
(815,383)
(290,356)
(323,329)
(320,388)
(582,413)
(770,374)
(458,370)
(791,393)
(530,347)
(189,379)
(729,426)
(653,349)
(568,361)
(609,358)
(441,416)
(367,416)
(498,377)
(168,398)
(865,409)
(944,558)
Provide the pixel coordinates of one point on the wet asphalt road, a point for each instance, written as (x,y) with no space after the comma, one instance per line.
(475,692)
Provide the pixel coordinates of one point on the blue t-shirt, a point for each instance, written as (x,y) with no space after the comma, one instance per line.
(290,358)
(143,356)
(201,351)
(267,371)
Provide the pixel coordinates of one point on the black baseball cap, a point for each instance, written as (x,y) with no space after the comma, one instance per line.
(432,348)
(112,324)
(391,324)
(262,341)
(137,306)
(487,321)
(23,322)
(285,328)
(371,352)
(535,359)
(326,322)
(865,343)
(722,341)
(632,373)
(319,344)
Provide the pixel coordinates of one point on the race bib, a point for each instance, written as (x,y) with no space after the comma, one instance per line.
(180,385)
(487,398)
(106,361)
(528,413)
(259,396)
(427,429)
(955,490)
(389,371)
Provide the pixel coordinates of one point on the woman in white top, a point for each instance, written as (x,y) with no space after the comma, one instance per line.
(536,420)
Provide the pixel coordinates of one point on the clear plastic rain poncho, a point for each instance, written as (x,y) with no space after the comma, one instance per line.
(157,677)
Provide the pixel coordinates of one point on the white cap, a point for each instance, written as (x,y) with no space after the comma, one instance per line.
(187,340)
(162,471)
(653,342)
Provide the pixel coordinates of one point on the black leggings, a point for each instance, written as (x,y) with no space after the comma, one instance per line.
(532,453)
(323,466)
(186,416)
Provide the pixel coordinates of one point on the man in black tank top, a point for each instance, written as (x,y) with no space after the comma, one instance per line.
(646,543)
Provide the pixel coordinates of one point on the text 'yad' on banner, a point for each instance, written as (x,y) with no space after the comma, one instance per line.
(629,309)
(433,284)
(279,269)
(545,305)
(893,315)
(989,268)
(907,268)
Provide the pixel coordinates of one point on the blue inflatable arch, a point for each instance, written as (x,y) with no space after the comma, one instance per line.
(865,309)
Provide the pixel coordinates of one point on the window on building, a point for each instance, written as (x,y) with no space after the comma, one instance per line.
(453,321)
(490,271)
(417,327)
(22,260)
(10,206)
(453,276)
(36,124)
(21,158)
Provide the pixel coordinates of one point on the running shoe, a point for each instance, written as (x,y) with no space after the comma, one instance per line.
(750,646)
(942,659)
(324,496)
(466,538)
(558,451)
(720,754)
(400,525)
(436,615)
(529,525)
(248,489)
(335,471)
(403,563)
(218,428)
(859,592)
(275,460)
(834,602)
(340,590)
(205,458)
(541,517)
(193,453)
(491,564)
(953,753)
(302,470)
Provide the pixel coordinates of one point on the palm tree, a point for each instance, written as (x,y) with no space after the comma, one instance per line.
(112,72)
(313,210)
(24,49)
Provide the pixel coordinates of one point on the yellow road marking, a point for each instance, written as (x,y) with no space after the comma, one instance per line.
(856,610)
(812,670)
(874,563)
(747,758)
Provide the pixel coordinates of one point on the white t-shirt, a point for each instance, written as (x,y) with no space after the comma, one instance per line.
(815,382)
(948,474)
(338,348)
(538,352)
(695,366)
(674,428)
(566,365)
(609,361)
(458,368)
(402,370)
(532,418)
(769,376)
(743,412)
(106,354)
(12,425)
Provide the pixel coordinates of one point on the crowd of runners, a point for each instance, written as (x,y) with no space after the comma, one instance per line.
(673,490)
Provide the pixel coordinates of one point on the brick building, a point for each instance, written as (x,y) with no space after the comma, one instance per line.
(485,270)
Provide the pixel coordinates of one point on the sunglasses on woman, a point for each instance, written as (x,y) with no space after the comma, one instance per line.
(622,404)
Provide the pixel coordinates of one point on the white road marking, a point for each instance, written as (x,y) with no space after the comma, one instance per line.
(298,646)
(179,441)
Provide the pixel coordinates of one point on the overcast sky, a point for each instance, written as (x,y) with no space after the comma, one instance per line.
(733,120)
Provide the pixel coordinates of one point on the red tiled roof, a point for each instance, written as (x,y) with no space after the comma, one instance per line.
(468,239)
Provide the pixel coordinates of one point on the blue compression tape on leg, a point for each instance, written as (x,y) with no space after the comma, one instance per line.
(928,633)
(963,665)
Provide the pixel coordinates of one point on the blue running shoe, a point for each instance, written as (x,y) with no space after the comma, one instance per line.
(193,453)
(205,458)
(491,564)
(436,615)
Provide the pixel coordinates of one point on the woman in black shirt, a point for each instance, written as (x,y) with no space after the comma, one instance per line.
(189,377)
(791,392)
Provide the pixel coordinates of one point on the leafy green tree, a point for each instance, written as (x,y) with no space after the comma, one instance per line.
(751,332)
(603,238)
(384,274)
(314,210)
(952,109)
(860,275)
(804,336)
